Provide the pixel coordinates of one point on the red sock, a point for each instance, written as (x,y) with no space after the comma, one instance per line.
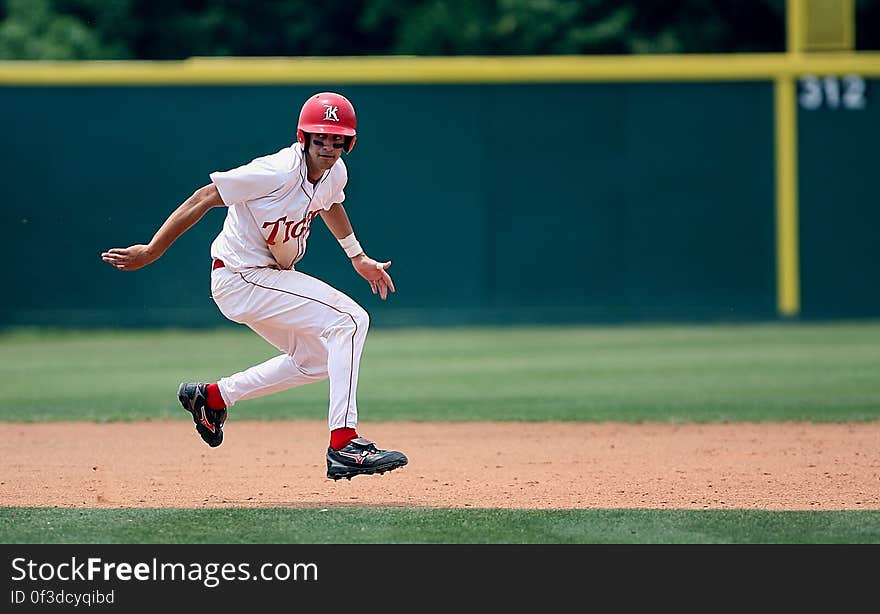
(339,438)
(215,401)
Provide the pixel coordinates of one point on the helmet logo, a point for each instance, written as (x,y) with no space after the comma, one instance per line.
(330,113)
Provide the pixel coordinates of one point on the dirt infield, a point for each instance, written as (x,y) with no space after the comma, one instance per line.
(503,465)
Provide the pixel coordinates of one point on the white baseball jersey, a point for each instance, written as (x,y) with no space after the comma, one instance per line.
(271,205)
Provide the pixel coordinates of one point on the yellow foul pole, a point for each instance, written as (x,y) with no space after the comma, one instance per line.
(788,299)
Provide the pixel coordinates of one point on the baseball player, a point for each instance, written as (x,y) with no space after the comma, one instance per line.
(271,203)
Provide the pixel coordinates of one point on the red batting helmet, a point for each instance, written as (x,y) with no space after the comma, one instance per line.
(328,113)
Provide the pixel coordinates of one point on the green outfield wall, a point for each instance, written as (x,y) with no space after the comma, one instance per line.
(839,194)
(595,201)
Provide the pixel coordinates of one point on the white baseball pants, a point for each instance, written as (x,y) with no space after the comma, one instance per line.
(320,331)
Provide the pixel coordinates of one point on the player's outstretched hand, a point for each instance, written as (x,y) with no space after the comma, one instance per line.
(375,273)
(129,258)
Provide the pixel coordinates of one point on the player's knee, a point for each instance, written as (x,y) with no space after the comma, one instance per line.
(354,321)
(314,374)
(361,319)
(358,320)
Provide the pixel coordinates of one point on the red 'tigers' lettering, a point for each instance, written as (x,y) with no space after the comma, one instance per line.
(292,229)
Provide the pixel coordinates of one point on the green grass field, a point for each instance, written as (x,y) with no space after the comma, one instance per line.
(770,372)
(439,526)
(765,372)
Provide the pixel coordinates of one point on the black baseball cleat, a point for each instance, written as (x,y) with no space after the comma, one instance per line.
(209,422)
(361,457)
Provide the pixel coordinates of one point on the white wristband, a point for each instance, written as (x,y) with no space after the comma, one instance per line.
(351,246)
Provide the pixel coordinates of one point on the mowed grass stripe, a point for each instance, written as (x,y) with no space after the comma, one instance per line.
(706,373)
(344,525)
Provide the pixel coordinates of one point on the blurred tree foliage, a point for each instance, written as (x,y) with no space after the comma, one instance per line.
(175,29)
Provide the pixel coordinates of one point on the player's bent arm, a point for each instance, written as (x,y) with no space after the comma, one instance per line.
(337,221)
(181,219)
(374,272)
(184,217)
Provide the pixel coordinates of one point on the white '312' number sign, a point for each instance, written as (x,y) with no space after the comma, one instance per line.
(847,92)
